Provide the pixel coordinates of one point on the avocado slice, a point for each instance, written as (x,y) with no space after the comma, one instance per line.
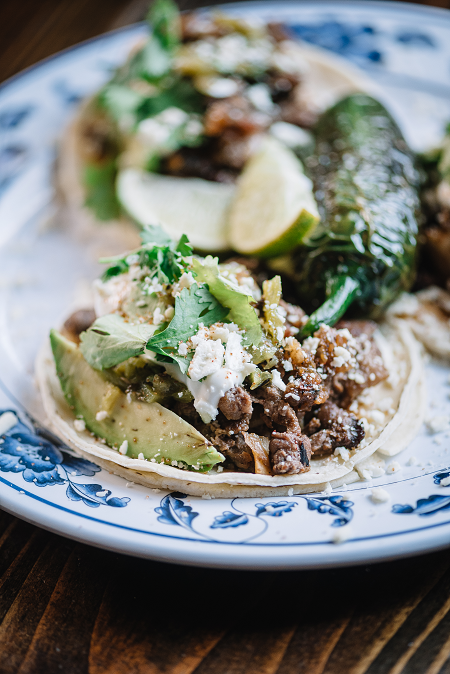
(149,428)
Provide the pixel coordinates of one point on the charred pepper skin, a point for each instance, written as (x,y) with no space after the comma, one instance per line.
(366,186)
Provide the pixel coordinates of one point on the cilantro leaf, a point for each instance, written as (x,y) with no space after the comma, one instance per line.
(155,234)
(159,254)
(164,20)
(154,60)
(241,311)
(192,307)
(121,267)
(183,246)
(120,101)
(176,92)
(99,182)
(110,341)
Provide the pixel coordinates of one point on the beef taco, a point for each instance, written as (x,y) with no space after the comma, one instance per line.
(189,375)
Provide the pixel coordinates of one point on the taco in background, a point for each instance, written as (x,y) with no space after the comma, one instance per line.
(165,140)
(191,378)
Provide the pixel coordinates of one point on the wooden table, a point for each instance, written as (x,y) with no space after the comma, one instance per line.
(70,608)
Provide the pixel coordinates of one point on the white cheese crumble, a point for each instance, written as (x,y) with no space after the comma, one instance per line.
(385,404)
(445,482)
(287,365)
(108,296)
(183,349)
(393,467)
(310,344)
(100,416)
(208,358)
(79,425)
(185,281)
(342,356)
(277,381)
(123,449)
(291,135)
(376,416)
(217,87)
(379,495)
(412,461)
(342,534)
(259,96)
(438,424)
(7,421)
(343,452)
(169,313)
(141,457)
(158,316)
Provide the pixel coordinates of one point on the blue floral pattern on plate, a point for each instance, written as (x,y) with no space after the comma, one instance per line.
(174,511)
(46,463)
(427,506)
(355,41)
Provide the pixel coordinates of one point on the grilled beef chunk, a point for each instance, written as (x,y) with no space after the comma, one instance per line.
(371,369)
(290,453)
(190,162)
(306,391)
(236,451)
(290,450)
(235,404)
(333,427)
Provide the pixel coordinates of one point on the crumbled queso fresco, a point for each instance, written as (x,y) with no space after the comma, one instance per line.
(219,364)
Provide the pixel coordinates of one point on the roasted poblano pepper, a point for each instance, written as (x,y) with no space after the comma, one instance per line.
(366,186)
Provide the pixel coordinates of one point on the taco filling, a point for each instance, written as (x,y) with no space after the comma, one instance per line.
(216,356)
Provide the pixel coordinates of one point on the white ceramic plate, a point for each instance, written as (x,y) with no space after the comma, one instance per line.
(406,49)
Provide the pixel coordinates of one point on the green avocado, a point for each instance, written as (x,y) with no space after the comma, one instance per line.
(149,428)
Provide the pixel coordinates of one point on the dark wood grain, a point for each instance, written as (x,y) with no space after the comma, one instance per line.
(66,607)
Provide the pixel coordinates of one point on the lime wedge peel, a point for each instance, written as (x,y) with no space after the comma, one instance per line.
(274,209)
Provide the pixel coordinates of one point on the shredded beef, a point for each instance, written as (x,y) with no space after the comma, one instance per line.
(235,404)
(333,427)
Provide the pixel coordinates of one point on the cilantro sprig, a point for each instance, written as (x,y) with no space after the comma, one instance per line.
(192,307)
(161,256)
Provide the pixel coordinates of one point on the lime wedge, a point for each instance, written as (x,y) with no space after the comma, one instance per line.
(274,208)
(192,206)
